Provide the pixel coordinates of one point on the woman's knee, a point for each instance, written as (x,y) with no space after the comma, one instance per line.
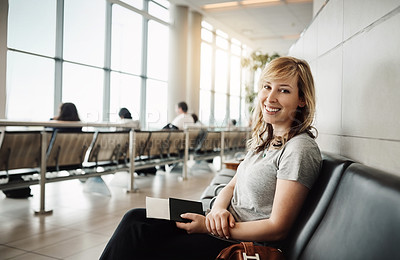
(134,215)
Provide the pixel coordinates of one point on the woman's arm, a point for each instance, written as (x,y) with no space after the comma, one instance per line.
(225,195)
(218,221)
(288,200)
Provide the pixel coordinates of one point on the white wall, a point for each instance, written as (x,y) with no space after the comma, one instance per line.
(353,49)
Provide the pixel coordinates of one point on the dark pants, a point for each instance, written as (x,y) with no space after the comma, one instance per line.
(138,237)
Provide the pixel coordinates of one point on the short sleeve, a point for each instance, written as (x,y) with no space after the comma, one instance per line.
(300,161)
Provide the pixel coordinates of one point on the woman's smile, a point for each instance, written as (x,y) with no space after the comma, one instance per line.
(271,110)
(279,101)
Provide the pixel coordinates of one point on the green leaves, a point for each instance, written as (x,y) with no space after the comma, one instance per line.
(257,60)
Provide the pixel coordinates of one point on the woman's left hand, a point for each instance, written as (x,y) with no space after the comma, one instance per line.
(197,224)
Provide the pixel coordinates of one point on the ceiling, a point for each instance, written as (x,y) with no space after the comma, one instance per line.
(267,27)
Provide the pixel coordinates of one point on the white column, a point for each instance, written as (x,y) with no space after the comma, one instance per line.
(194,46)
(177,58)
(3,56)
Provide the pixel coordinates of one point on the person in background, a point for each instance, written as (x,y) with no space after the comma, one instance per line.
(183,117)
(126,119)
(232,124)
(67,112)
(263,199)
(196,120)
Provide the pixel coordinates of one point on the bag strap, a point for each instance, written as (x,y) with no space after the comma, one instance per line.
(249,251)
(249,248)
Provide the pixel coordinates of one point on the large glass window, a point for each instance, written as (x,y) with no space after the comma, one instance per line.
(221,71)
(221,97)
(30,91)
(126,46)
(84,31)
(206,35)
(159,9)
(222,42)
(235,76)
(35,81)
(205,107)
(235,47)
(234,108)
(124,92)
(83,86)
(32,31)
(156,104)
(206,66)
(245,113)
(220,110)
(157,55)
(135,3)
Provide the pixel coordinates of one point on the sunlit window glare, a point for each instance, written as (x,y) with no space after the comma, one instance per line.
(104,55)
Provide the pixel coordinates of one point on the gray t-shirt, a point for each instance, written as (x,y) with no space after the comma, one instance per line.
(299,160)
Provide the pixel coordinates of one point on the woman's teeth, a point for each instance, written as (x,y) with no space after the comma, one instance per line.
(272,109)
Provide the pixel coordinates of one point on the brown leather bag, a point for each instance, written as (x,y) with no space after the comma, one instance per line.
(247,251)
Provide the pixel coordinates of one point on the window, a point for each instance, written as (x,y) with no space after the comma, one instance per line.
(235,49)
(159,9)
(157,55)
(206,66)
(124,92)
(221,78)
(220,111)
(156,102)
(84,31)
(32,31)
(206,35)
(135,3)
(222,42)
(83,86)
(234,110)
(221,71)
(35,79)
(30,91)
(126,45)
(205,108)
(235,76)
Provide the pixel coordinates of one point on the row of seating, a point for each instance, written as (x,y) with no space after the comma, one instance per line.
(79,155)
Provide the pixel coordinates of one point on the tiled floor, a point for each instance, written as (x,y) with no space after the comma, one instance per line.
(82,222)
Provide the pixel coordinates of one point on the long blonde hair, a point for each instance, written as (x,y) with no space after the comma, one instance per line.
(281,69)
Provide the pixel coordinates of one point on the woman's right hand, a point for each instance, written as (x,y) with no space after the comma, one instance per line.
(219,221)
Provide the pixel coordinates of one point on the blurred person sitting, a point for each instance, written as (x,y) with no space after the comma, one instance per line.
(232,124)
(126,119)
(67,113)
(182,119)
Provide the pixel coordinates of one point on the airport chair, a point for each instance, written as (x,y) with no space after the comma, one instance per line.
(108,148)
(176,144)
(158,145)
(20,150)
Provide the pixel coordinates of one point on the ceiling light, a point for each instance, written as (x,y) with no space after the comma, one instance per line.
(252,2)
(298,1)
(221,5)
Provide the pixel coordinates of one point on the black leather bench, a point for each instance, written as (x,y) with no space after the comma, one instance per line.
(352,212)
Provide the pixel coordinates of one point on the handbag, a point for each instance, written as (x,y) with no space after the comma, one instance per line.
(247,251)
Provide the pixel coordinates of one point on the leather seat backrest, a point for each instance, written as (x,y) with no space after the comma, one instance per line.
(315,205)
(362,220)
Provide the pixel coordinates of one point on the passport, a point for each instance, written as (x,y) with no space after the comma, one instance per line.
(172,208)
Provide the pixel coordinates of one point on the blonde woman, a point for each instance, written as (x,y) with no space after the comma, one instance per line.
(263,199)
